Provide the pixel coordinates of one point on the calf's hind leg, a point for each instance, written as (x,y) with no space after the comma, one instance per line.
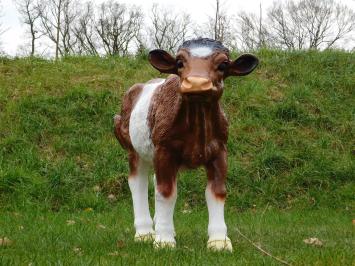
(138,184)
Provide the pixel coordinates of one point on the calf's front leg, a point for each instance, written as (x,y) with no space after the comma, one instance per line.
(165,197)
(215,198)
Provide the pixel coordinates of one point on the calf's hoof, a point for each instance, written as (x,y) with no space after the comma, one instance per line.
(147,237)
(164,243)
(220,244)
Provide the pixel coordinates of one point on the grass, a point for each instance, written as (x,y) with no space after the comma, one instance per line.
(106,238)
(291,147)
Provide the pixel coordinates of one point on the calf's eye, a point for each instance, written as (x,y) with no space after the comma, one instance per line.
(179,64)
(223,66)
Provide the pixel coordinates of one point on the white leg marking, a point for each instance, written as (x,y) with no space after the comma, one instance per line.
(217,229)
(138,185)
(164,219)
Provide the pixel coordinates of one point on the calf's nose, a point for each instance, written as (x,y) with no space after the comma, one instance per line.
(196,84)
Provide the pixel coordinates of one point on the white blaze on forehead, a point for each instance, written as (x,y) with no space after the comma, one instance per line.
(139,130)
(201,51)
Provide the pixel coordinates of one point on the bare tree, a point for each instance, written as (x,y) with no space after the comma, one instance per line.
(30,13)
(57,18)
(221,23)
(219,26)
(344,25)
(50,14)
(142,44)
(84,31)
(253,32)
(117,26)
(66,30)
(313,24)
(168,29)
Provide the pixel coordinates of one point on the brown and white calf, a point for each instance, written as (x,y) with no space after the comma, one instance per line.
(178,123)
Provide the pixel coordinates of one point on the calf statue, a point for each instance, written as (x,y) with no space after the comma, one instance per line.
(178,123)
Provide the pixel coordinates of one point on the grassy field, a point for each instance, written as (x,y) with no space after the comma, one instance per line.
(291,164)
(90,238)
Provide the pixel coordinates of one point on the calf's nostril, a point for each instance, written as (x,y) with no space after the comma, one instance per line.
(186,84)
(207,85)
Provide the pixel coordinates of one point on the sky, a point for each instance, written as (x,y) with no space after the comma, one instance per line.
(15,35)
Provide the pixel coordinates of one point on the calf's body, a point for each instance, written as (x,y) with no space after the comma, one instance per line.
(175,124)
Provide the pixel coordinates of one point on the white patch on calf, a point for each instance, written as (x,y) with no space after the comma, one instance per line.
(201,51)
(139,130)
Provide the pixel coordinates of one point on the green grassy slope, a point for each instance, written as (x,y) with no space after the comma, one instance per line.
(291,164)
(291,139)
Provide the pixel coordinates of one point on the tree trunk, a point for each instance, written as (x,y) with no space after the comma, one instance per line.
(216,21)
(33,47)
(33,35)
(58,30)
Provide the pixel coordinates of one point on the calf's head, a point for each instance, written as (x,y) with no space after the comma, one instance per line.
(202,65)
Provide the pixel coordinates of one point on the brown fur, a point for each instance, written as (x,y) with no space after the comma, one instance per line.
(187,132)
(193,129)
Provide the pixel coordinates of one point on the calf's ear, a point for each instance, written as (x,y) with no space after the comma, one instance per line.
(162,61)
(243,65)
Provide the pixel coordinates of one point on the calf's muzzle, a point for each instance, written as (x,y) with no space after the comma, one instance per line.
(196,85)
